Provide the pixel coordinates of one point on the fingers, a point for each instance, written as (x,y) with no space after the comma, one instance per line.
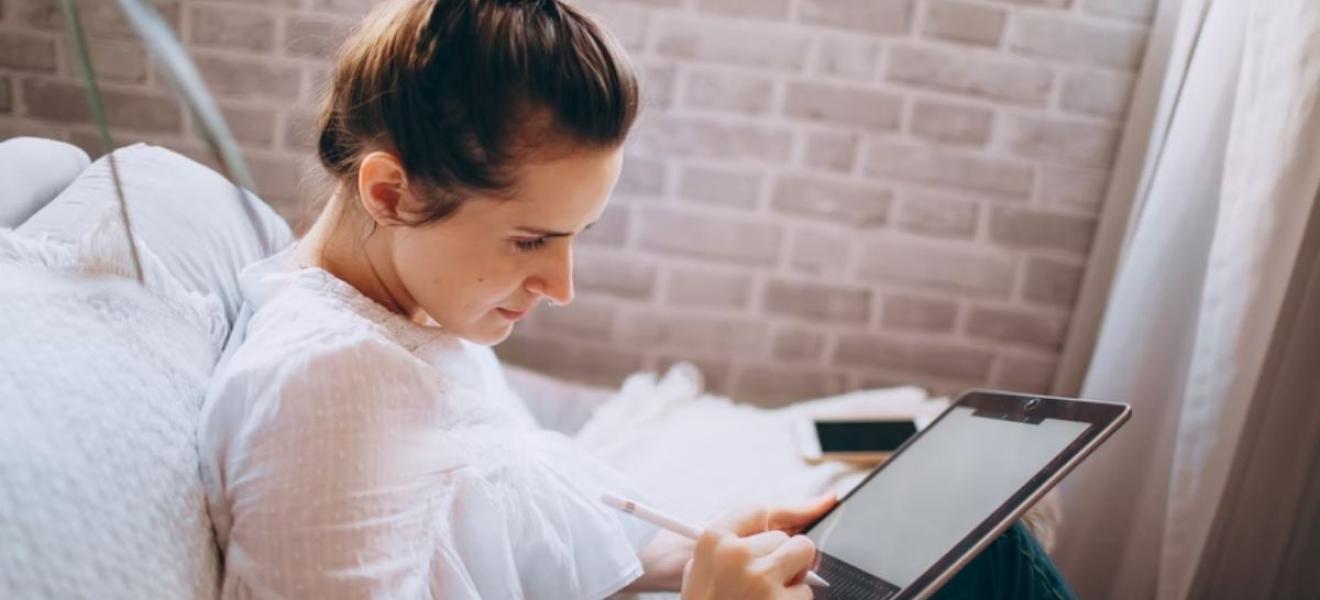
(791,518)
(765,542)
(790,560)
(747,521)
(794,517)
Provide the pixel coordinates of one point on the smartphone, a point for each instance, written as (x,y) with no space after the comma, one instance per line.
(858,440)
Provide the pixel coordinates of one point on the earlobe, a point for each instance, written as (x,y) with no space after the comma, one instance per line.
(383,188)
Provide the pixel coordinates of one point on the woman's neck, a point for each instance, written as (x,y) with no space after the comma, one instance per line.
(340,243)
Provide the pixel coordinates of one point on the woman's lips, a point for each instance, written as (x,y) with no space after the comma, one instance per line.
(512,315)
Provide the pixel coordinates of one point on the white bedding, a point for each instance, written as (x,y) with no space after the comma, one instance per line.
(697,455)
(102,381)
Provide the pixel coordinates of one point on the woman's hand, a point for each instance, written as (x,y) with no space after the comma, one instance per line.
(750,554)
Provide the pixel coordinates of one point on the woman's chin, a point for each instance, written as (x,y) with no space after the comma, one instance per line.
(489,335)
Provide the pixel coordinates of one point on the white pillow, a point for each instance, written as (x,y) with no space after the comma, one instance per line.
(32,171)
(188,214)
(103,380)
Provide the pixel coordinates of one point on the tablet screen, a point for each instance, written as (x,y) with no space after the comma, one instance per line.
(944,485)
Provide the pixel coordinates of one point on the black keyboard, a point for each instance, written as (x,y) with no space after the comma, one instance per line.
(850,583)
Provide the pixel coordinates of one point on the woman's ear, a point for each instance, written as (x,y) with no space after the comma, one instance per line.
(383,189)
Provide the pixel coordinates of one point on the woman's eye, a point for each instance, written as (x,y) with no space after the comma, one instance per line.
(529,245)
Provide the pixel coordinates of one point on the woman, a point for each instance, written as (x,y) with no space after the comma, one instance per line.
(361,441)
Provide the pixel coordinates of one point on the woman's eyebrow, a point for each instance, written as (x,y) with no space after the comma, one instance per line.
(550,233)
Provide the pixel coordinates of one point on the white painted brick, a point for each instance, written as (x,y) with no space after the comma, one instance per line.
(1039,229)
(1025,374)
(729,91)
(1083,43)
(628,24)
(299,130)
(650,3)
(666,135)
(744,45)
(611,229)
(7,106)
(66,102)
(947,167)
(905,312)
(1140,11)
(619,276)
(819,252)
(771,386)
(26,52)
(251,126)
(709,288)
(845,202)
(707,156)
(658,83)
(964,22)
(870,16)
(798,344)
(1030,327)
(276,177)
(723,186)
(817,301)
(692,333)
(847,57)
(596,364)
(1051,281)
(124,62)
(709,236)
(759,9)
(931,358)
(1054,141)
(99,19)
(1041,3)
(233,28)
(1076,189)
(951,123)
(581,319)
(248,78)
(831,150)
(840,105)
(315,36)
(641,176)
(347,7)
(937,266)
(959,71)
(937,215)
(1095,92)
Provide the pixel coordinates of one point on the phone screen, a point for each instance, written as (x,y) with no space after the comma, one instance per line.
(863,436)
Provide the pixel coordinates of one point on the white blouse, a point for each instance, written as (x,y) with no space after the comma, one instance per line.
(349,452)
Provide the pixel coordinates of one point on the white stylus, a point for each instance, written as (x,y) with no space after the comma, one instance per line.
(660,519)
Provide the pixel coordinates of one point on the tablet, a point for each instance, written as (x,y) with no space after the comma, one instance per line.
(950,490)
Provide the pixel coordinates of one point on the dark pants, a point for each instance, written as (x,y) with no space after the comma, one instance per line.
(1013,566)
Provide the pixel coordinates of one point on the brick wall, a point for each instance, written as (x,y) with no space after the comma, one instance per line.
(821,195)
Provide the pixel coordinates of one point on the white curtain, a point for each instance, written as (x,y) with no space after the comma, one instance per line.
(1230,175)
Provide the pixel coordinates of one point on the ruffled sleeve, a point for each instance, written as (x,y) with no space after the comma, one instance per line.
(354,471)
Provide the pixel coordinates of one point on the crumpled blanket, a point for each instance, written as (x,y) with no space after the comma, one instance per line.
(697,455)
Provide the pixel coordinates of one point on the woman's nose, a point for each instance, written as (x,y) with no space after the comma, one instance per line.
(555,282)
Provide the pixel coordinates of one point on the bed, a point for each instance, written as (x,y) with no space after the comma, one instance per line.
(99,493)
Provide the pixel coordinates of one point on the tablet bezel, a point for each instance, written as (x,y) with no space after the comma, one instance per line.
(1103,419)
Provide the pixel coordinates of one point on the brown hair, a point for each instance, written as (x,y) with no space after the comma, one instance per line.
(458,88)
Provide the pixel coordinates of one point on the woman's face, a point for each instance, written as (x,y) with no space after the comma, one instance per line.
(488,265)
